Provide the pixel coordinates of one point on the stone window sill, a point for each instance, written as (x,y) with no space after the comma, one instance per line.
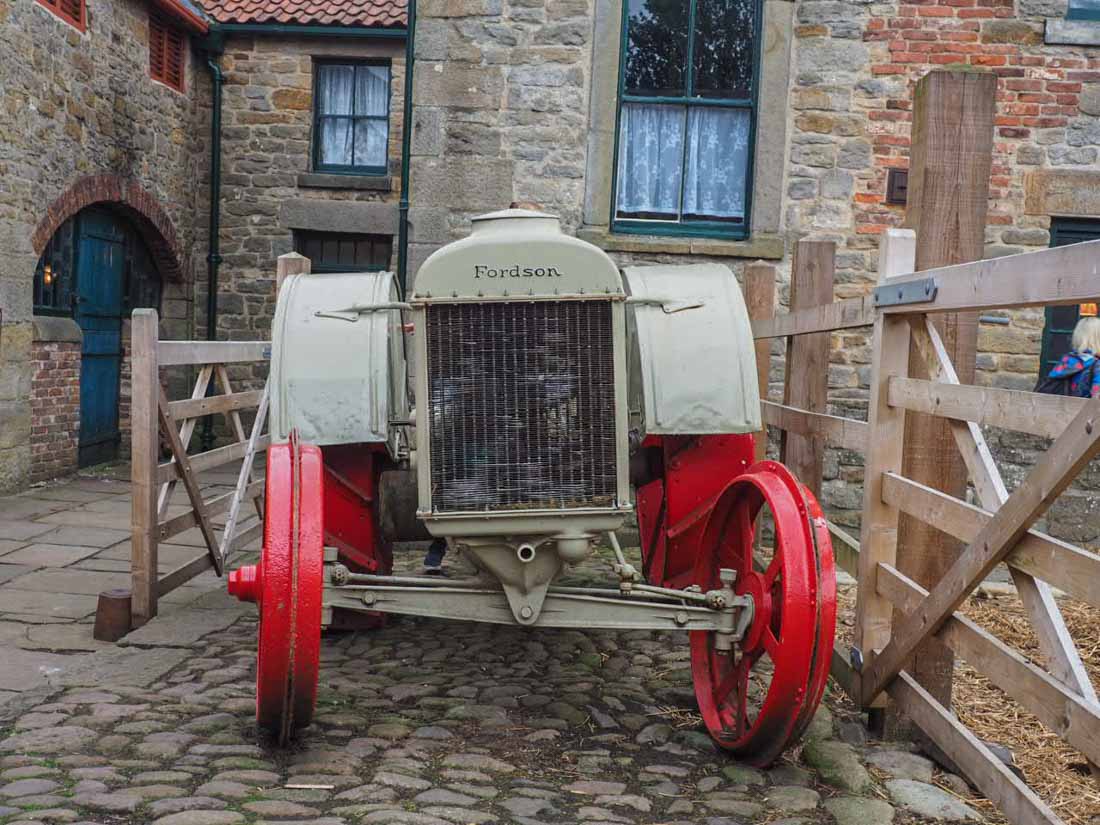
(319,180)
(1073,32)
(760,245)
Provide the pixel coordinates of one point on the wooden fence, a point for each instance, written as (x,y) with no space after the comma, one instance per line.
(153,482)
(998,529)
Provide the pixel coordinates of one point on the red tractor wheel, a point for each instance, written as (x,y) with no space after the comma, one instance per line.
(778,660)
(826,623)
(288,586)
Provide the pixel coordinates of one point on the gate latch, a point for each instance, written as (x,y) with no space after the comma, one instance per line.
(909,292)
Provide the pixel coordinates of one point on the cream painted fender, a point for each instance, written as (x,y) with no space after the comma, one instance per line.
(692,360)
(340,379)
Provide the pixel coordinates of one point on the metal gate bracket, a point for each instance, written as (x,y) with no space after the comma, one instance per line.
(909,292)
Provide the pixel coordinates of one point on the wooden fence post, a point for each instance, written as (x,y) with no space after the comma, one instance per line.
(952,145)
(760,302)
(290,264)
(806,379)
(144,454)
(878,534)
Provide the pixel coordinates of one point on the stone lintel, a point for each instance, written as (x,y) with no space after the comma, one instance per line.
(1065,192)
(1073,32)
(55,329)
(760,245)
(340,216)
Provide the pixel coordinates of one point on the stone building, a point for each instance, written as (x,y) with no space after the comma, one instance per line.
(106,152)
(664,131)
(535,100)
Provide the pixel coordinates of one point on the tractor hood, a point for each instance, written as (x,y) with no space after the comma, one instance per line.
(516,254)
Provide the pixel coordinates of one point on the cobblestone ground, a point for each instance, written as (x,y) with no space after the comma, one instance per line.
(432,723)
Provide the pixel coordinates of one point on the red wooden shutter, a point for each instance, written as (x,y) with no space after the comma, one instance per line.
(166,51)
(72,9)
(156,47)
(173,58)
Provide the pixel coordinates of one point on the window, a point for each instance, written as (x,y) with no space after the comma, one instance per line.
(56,276)
(71,11)
(352,118)
(335,252)
(1060,320)
(166,52)
(1083,10)
(687,91)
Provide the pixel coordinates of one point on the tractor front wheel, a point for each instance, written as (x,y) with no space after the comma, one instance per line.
(288,585)
(756,699)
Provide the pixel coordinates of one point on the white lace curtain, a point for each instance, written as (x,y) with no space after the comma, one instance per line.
(353,105)
(655,165)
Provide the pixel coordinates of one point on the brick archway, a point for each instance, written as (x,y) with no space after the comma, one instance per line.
(126,195)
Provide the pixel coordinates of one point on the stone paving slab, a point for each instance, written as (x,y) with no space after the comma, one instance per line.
(85,582)
(11,571)
(130,667)
(49,555)
(53,604)
(21,529)
(8,545)
(26,670)
(85,536)
(185,628)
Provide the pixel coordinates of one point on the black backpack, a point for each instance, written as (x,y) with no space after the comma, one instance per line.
(1062,385)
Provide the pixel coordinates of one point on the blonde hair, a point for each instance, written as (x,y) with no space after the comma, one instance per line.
(1086,335)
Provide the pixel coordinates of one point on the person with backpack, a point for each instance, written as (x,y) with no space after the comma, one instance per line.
(1077,374)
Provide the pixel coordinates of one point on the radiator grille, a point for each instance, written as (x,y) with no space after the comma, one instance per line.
(522,405)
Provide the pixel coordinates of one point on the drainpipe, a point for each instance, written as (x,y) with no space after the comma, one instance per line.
(213,258)
(406,149)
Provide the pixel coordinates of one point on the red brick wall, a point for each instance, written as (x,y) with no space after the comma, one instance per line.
(55,408)
(1038,92)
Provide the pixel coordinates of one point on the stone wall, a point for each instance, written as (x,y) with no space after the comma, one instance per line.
(501,101)
(515,102)
(268,185)
(855,67)
(78,107)
(55,398)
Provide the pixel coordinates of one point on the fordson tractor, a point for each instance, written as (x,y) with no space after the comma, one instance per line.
(523,402)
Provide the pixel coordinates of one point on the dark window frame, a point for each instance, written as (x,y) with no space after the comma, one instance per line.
(349,169)
(727,230)
(303,237)
(172,45)
(1060,321)
(1078,13)
(58,9)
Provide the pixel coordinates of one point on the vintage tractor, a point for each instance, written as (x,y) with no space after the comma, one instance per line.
(553,397)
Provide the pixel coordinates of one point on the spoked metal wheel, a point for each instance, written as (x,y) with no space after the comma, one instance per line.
(826,622)
(287,584)
(756,699)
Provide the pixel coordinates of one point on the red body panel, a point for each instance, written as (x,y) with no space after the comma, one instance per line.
(351,511)
(672,510)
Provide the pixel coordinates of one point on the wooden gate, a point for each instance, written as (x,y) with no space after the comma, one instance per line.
(999,529)
(153,482)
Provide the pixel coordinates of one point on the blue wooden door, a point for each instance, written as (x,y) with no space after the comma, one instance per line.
(100,261)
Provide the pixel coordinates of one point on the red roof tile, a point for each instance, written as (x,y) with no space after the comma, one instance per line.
(379,13)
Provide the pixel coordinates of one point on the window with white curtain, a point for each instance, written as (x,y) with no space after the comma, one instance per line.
(686,113)
(352,117)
